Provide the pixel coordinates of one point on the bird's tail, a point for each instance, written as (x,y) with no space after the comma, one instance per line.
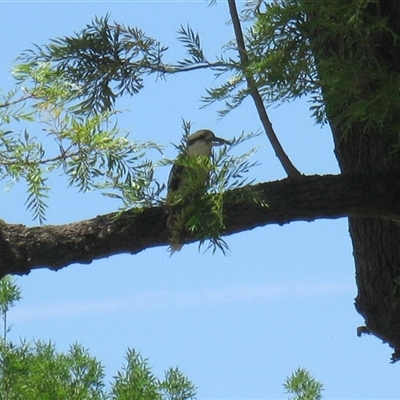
(176,228)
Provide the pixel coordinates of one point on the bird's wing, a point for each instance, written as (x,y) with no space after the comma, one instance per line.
(174,177)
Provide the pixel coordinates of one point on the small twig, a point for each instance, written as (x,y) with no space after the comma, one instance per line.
(20,100)
(287,165)
(61,157)
(258,6)
(177,69)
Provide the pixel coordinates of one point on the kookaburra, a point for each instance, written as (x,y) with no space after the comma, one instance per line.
(189,176)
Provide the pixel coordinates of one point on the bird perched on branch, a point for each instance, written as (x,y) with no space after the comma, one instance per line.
(188,180)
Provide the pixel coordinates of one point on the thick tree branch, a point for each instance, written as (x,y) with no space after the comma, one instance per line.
(23,249)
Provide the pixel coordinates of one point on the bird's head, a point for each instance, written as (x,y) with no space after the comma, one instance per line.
(201,142)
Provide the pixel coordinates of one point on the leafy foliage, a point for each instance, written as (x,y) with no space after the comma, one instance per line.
(228,171)
(104,61)
(10,294)
(282,41)
(37,371)
(137,382)
(191,41)
(71,85)
(303,386)
(176,386)
(231,171)
(279,63)
(88,148)
(285,38)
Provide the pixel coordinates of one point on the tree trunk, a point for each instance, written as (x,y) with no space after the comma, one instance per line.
(376,241)
(364,149)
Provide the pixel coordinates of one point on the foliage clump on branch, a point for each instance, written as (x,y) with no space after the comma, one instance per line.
(104,61)
(88,149)
(286,39)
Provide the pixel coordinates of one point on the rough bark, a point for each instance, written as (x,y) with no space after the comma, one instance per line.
(308,198)
(376,249)
(376,241)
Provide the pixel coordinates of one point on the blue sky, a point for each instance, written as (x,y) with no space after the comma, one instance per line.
(237,325)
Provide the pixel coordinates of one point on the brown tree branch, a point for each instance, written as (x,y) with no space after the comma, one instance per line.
(287,165)
(308,198)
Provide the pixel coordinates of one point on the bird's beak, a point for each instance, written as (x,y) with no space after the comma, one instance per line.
(216,141)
